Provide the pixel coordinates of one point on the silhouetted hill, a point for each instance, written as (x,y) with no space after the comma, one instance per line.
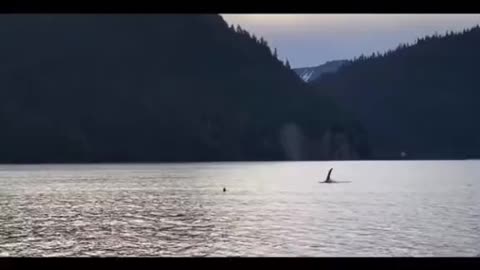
(422,98)
(309,74)
(89,88)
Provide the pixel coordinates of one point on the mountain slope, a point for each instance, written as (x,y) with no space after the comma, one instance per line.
(309,74)
(88,88)
(422,99)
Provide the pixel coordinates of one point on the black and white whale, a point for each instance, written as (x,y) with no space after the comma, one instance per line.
(329,180)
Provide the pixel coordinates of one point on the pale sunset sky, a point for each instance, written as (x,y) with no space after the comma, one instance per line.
(312,39)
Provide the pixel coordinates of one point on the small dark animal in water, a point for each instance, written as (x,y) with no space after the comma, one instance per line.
(224,189)
(329,180)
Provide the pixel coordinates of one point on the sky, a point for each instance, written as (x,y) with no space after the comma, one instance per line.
(312,39)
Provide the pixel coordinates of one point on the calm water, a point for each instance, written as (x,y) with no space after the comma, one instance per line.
(427,208)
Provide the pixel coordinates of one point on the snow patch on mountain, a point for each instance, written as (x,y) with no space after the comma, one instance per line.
(309,74)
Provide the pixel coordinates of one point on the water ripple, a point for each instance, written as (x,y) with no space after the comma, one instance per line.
(180,210)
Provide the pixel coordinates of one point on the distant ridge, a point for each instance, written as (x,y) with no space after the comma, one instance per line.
(309,74)
(421,98)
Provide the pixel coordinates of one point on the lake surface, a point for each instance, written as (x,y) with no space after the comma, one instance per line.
(399,208)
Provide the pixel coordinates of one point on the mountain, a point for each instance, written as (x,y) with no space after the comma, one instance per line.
(146,88)
(422,99)
(309,74)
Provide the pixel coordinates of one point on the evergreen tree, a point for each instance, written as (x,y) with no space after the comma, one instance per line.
(149,88)
(287,64)
(420,97)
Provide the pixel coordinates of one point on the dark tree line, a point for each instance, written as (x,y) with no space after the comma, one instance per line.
(94,88)
(421,98)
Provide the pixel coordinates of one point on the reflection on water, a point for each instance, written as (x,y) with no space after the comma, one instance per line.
(270,209)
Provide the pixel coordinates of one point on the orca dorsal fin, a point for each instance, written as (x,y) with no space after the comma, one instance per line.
(328,176)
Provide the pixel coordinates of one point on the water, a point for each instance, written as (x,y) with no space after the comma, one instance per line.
(426,208)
